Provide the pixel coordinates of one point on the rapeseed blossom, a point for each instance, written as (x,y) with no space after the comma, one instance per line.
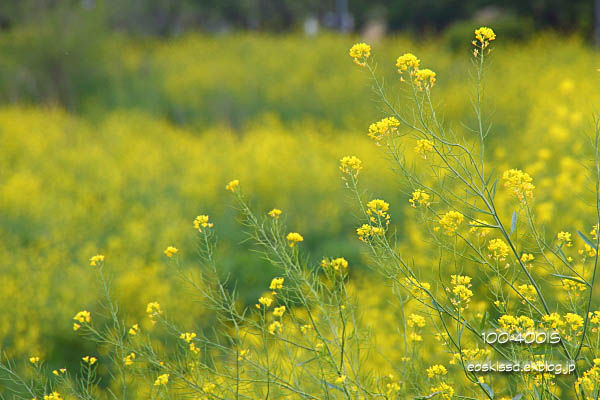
(360,52)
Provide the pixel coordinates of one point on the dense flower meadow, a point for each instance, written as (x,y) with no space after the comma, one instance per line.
(365,250)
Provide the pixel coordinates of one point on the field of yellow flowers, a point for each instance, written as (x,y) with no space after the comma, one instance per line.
(278,114)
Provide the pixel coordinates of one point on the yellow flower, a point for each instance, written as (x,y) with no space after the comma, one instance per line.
(82,317)
(153,310)
(484,35)
(350,165)
(419,197)
(59,371)
(365,231)
(188,337)
(407,61)
(378,207)
(129,359)
(34,360)
(170,251)
(519,183)
(201,221)
(528,291)
(424,79)
(274,327)
(89,360)
(305,328)
(564,238)
(53,396)
(553,320)
(134,330)
(293,238)
(499,249)
(415,320)
(436,370)
(265,301)
(418,289)
(231,186)
(76,326)
(243,354)
(161,380)
(525,257)
(340,379)
(574,321)
(208,387)
(360,52)
(451,221)
(97,259)
(446,391)
(379,129)
(276,283)
(278,311)
(275,213)
(337,264)
(424,147)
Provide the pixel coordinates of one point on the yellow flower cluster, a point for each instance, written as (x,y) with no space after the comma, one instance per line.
(498,249)
(451,221)
(275,213)
(293,238)
(276,283)
(528,292)
(552,320)
(337,264)
(564,238)
(171,251)
(484,35)
(129,359)
(53,396)
(265,301)
(89,360)
(445,390)
(512,324)
(415,320)
(461,291)
(424,79)
(134,330)
(365,231)
(407,61)
(153,310)
(275,327)
(232,186)
(360,52)
(278,311)
(82,317)
(201,221)
(161,380)
(574,321)
(97,259)
(378,130)
(519,183)
(60,371)
(590,381)
(350,165)
(379,208)
(419,197)
(418,289)
(436,370)
(424,147)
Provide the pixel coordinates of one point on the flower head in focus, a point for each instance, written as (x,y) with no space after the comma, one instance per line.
(360,52)
(293,238)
